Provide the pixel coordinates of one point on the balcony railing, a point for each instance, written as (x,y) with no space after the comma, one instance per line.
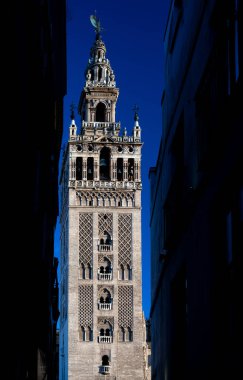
(105,276)
(105,306)
(104,247)
(99,124)
(105,369)
(105,339)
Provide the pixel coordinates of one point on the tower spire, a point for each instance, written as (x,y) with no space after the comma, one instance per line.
(97,105)
(136,128)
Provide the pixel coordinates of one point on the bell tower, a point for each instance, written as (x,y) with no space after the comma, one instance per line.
(101,322)
(99,96)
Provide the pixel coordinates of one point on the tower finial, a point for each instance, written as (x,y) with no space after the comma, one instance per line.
(72,106)
(136,109)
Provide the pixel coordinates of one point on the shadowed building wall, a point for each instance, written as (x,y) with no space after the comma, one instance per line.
(36,75)
(196,196)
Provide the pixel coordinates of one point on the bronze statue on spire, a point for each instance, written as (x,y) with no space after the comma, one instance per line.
(96,24)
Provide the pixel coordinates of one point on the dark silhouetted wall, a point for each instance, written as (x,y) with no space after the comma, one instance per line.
(197,197)
(36,76)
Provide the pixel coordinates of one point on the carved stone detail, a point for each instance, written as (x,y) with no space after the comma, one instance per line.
(102,258)
(125,306)
(104,320)
(106,198)
(86,306)
(102,288)
(105,223)
(125,239)
(85,238)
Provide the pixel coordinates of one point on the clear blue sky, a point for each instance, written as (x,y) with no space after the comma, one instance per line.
(133,37)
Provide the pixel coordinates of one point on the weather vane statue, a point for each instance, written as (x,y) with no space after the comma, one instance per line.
(96,24)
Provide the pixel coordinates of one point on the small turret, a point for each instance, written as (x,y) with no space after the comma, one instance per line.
(73,126)
(136,128)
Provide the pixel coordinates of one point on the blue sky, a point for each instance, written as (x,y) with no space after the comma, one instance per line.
(133,35)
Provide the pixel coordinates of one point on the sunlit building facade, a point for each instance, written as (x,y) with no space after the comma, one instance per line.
(102,331)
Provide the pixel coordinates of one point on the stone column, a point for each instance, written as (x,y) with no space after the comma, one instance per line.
(96,71)
(103,73)
(113,112)
(73,168)
(125,166)
(136,172)
(84,168)
(96,169)
(87,111)
(113,169)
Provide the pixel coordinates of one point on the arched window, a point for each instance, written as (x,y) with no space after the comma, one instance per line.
(121,334)
(100,112)
(129,334)
(83,271)
(83,334)
(105,332)
(105,360)
(89,334)
(104,298)
(107,238)
(105,164)
(79,168)
(129,272)
(105,269)
(90,168)
(122,272)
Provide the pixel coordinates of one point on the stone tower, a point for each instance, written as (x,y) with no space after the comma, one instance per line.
(101,324)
